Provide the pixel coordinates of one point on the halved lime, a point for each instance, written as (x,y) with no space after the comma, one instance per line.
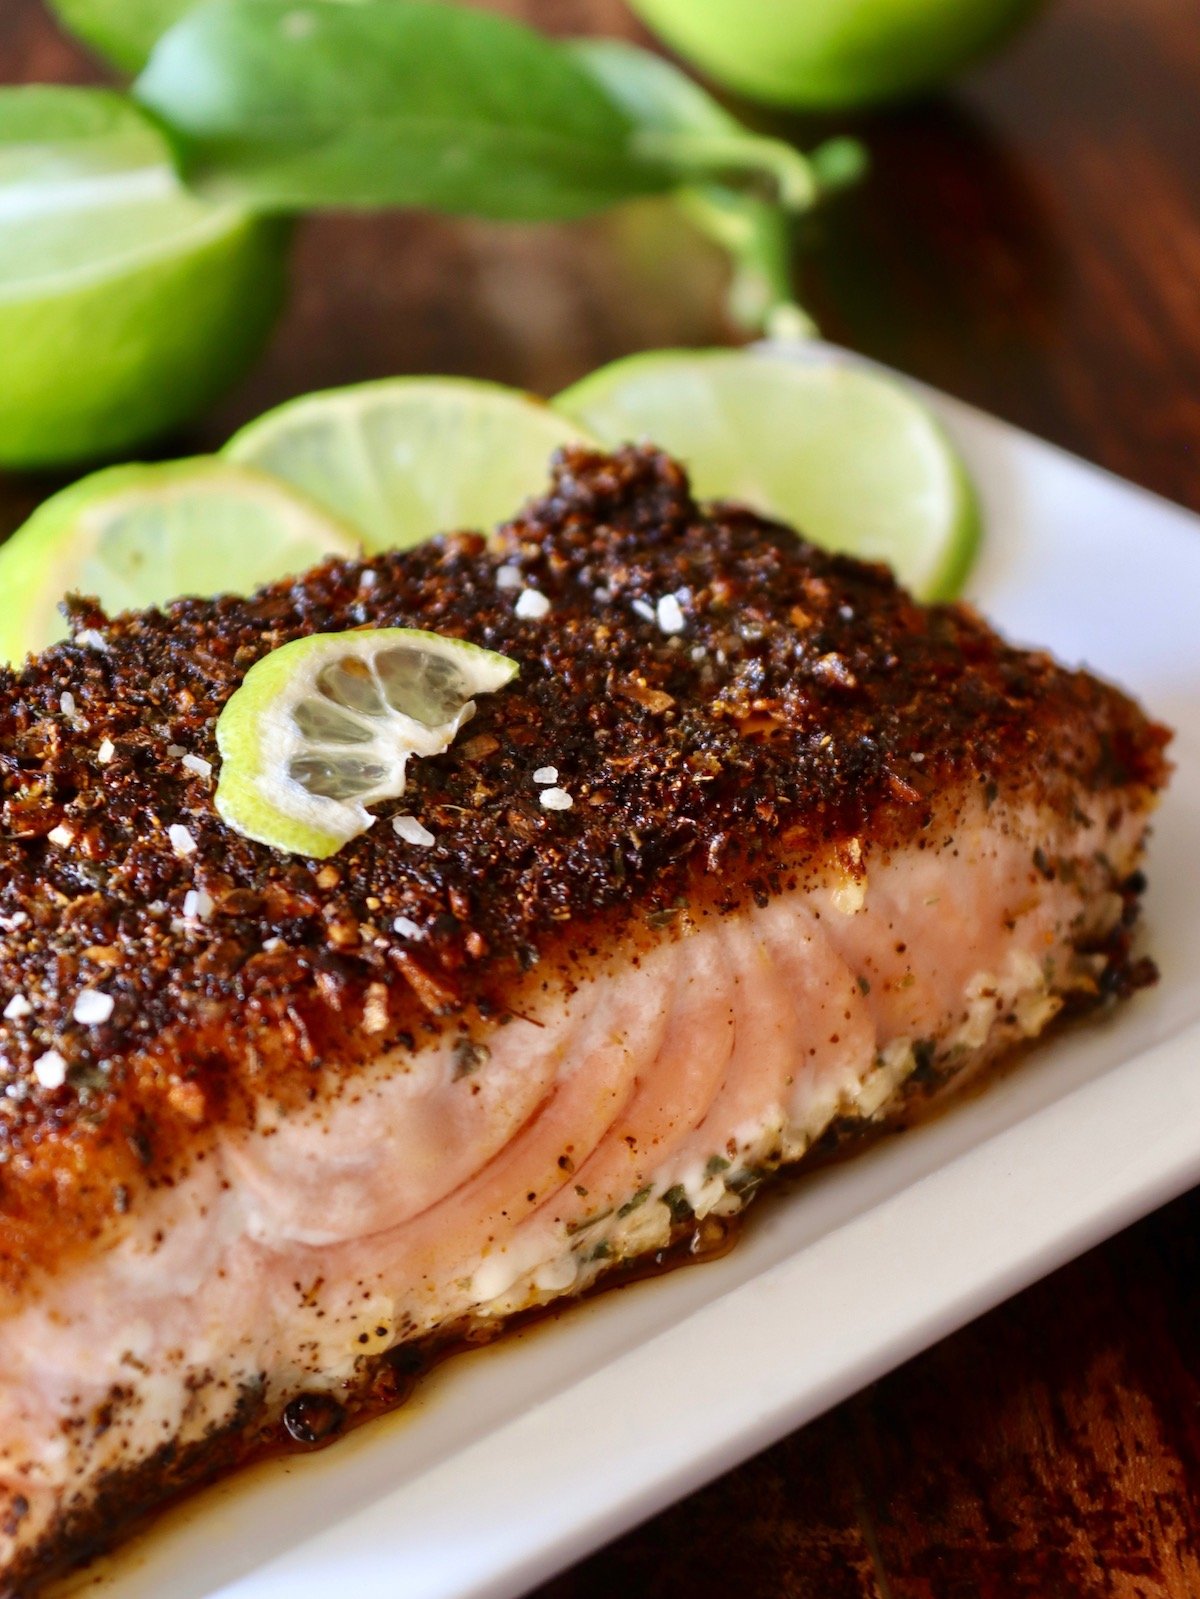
(126,303)
(325,726)
(849,458)
(139,535)
(404,458)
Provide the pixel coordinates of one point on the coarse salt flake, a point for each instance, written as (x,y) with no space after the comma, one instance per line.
(106,751)
(368,579)
(407,928)
(699,653)
(66,703)
(645,610)
(9,924)
(546,774)
(669,614)
(50,1069)
(197,764)
(532,605)
(197,905)
(61,835)
(17,1007)
(411,831)
(556,799)
(91,640)
(182,841)
(509,577)
(93,1007)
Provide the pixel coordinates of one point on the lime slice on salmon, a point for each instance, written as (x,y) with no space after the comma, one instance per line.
(135,536)
(325,726)
(405,458)
(849,458)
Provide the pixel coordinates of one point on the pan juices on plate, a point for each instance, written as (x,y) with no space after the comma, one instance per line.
(752,852)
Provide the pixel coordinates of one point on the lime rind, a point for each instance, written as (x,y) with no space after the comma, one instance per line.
(947,581)
(264,742)
(405,458)
(825,56)
(126,303)
(140,535)
(848,456)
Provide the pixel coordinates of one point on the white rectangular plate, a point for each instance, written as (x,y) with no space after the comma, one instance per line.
(519,1459)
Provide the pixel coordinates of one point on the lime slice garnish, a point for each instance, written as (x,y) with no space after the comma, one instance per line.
(405,458)
(139,535)
(126,303)
(849,458)
(325,726)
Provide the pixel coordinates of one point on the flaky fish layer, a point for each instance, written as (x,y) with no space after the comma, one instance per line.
(826,851)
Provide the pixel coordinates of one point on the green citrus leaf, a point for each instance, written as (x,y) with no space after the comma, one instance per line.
(123,31)
(296,103)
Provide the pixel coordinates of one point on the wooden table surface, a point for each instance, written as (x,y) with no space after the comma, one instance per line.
(1032,244)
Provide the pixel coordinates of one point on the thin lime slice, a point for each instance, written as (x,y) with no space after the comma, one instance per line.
(126,303)
(139,535)
(849,458)
(409,457)
(325,726)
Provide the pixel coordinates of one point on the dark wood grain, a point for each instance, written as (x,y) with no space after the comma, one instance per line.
(1032,243)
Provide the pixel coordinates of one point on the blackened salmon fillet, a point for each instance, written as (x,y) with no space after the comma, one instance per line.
(819,853)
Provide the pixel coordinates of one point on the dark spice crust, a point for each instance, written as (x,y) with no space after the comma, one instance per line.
(808,700)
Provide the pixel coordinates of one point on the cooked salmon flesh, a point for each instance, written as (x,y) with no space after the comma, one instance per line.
(816,853)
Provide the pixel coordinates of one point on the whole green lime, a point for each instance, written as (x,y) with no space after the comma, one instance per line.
(828,54)
(127,304)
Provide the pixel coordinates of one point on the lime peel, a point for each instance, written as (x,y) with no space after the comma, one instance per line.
(324,727)
(126,302)
(135,536)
